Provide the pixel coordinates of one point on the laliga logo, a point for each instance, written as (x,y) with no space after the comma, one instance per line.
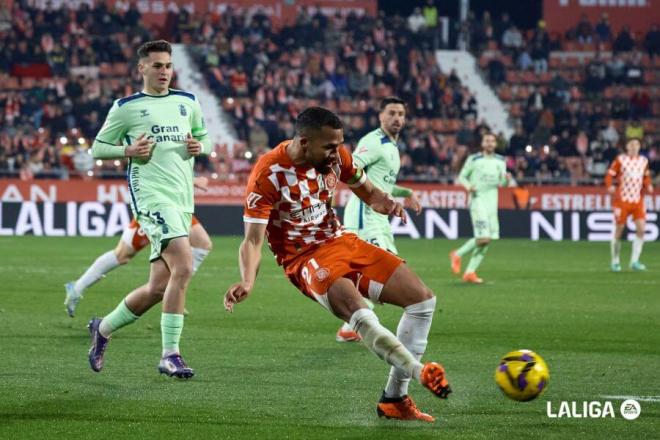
(630,410)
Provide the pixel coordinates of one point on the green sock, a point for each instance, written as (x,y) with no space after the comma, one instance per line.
(467,247)
(171,326)
(477,257)
(120,317)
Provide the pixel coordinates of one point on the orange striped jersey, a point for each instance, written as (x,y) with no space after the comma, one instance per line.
(296,201)
(632,175)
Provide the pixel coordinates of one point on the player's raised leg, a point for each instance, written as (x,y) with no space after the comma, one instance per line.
(637,245)
(178,257)
(128,311)
(131,242)
(101,266)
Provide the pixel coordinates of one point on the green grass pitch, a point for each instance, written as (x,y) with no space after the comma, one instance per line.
(273,370)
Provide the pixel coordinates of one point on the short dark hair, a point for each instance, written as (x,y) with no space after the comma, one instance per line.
(154,46)
(392,100)
(487,133)
(315,118)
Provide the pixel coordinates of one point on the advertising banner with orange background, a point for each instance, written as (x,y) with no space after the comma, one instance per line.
(546,198)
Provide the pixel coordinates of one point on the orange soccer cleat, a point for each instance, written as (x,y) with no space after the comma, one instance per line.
(401,408)
(455,261)
(471,277)
(433,377)
(347,335)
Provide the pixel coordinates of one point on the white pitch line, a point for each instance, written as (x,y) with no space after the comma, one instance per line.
(638,398)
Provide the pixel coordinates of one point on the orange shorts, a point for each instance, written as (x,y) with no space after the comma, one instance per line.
(623,209)
(347,256)
(135,237)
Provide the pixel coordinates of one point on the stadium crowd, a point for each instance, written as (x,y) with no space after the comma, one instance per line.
(61,70)
(576,97)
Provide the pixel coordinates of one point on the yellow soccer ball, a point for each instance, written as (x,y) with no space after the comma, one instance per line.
(522,375)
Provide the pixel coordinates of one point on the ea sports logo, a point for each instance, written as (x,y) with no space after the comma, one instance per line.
(630,409)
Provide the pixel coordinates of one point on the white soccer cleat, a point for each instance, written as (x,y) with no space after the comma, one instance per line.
(71,300)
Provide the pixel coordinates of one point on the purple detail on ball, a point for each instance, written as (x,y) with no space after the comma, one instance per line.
(522,381)
(526,357)
(541,385)
(503,367)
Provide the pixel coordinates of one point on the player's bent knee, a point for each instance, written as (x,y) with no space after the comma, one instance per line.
(123,258)
(422,309)
(208,245)
(182,272)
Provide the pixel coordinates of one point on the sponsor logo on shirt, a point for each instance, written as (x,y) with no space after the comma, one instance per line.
(311,214)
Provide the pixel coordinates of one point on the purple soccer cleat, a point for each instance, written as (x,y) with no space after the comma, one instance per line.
(174,366)
(99,342)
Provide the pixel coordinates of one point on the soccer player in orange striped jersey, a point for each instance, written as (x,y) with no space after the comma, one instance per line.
(289,200)
(631,172)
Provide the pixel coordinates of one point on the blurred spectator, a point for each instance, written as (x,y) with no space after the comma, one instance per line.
(634,74)
(652,41)
(431,14)
(535,101)
(634,130)
(596,76)
(560,87)
(640,103)
(518,142)
(524,60)
(512,39)
(82,160)
(466,136)
(416,21)
(584,31)
(496,71)
(603,29)
(610,133)
(540,45)
(624,41)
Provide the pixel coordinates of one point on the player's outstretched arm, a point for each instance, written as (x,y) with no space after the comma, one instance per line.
(409,195)
(379,201)
(249,258)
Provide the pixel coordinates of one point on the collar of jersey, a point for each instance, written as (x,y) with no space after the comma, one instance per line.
(169,92)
